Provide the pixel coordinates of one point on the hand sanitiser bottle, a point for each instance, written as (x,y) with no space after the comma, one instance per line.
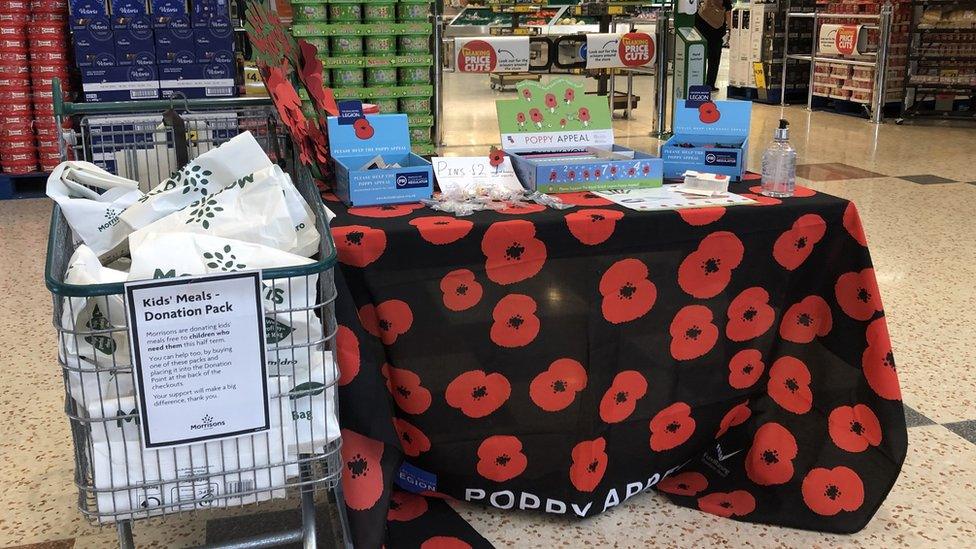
(779,164)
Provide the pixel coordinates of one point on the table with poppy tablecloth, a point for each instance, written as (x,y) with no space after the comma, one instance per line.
(735,359)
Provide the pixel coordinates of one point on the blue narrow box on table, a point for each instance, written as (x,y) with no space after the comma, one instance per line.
(354,140)
(709,136)
(561,140)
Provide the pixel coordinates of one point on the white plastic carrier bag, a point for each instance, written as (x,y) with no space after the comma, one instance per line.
(92,215)
(93,327)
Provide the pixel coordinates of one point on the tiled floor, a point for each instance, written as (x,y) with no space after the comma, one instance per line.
(921,238)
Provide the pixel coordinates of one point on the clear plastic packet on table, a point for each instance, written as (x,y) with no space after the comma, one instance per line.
(548,200)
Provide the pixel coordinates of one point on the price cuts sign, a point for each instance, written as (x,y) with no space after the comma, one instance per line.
(632,49)
(842,39)
(494,54)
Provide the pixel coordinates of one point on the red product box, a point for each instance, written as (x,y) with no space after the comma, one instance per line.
(59,58)
(46,29)
(20,169)
(48,6)
(21,7)
(15,70)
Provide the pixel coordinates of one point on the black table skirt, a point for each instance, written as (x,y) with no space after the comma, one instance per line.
(735,359)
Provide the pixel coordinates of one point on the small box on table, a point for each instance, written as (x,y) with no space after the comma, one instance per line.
(709,136)
(561,140)
(355,144)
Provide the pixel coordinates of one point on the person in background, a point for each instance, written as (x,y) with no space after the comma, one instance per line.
(712,21)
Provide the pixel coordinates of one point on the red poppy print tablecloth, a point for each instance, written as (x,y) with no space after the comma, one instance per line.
(736,360)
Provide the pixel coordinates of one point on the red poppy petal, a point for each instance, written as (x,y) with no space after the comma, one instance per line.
(770,458)
(749,314)
(444,542)
(512,253)
(620,400)
(690,483)
(593,226)
(500,458)
(830,491)
(705,272)
(671,427)
(407,391)
(627,294)
(698,217)
(589,464)
(393,319)
(359,245)
(362,475)
(478,394)
(736,416)
(347,355)
(385,211)
(584,198)
(515,323)
(405,506)
(796,244)
(789,385)
(737,503)
(555,389)
(857,294)
(692,333)
(442,229)
(806,320)
(413,441)
(852,222)
(461,290)
(745,368)
(878,361)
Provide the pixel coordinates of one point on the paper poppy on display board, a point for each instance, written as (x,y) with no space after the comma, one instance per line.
(288,67)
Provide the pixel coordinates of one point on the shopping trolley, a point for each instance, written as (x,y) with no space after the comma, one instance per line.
(119,482)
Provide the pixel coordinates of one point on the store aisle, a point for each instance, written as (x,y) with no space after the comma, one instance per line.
(915,191)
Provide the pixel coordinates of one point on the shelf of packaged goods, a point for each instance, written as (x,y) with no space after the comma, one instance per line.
(936,58)
(944,30)
(515,31)
(941,86)
(385,92)
(423,149)
(302,30)
(420,120)
(837,60)
(338,62)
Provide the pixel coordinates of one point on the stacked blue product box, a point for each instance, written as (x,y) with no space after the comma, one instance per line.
(147,49)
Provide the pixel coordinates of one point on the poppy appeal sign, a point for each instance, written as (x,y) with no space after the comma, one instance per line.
(842,40)
(492,54)
(554,117)
(632,49)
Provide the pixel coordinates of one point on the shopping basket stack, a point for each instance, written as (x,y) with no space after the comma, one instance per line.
(119,480)
(18,154)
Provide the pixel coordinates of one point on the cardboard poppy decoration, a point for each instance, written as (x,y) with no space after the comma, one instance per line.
(690,483)
(496,156)
(556,388)
(500,458)
(589,464)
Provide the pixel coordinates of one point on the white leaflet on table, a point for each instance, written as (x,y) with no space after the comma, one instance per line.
(668,197)
(92,216)
(473,175)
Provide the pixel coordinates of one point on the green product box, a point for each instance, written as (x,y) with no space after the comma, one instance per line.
(419,105)
(420,135)
(414,44)
(386,106)
(381,77)
(347,78)
(379,13)
(413,12)
(345,13)
(383,44)
(310,13)
(347,46)
(414,75)
(321,44)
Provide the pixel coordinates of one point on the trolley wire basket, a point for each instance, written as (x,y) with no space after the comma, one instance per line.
(118,480)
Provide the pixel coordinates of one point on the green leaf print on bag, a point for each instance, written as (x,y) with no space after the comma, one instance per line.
(103,344)
(171,183)
(203,210)
(225,261)
(129,417)
(195,179)
(275,331)
(308,389)
(159,273)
